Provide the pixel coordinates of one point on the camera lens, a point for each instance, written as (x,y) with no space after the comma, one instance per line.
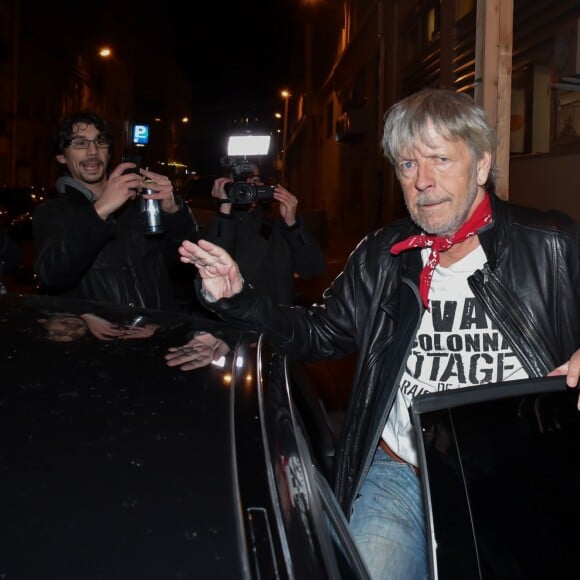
(245,192)
(241,192)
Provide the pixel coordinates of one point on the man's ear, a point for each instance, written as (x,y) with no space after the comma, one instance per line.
(60,158)
(483,168)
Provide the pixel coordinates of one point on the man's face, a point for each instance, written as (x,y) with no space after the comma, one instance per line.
(64,328)
(440,183)
(255,179)
(86,165)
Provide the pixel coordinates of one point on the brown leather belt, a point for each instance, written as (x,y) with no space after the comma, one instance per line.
(391,453)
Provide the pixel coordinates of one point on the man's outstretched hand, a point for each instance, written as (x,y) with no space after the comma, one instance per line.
(219,272)
(199,352)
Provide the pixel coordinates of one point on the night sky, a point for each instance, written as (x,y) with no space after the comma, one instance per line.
(238,50)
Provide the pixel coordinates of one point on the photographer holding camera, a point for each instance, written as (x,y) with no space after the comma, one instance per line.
(270,250)
(91,239)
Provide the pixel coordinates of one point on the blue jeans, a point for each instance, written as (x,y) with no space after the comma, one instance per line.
(388,523)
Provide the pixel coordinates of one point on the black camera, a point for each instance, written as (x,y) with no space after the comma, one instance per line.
(239,168)
(242,192)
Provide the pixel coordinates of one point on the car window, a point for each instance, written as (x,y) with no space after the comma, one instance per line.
(500,474)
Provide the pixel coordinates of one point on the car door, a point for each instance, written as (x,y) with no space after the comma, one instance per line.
(500,469)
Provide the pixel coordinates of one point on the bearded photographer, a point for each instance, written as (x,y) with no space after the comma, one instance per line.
(269,249)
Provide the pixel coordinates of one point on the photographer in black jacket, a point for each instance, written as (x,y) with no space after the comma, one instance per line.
(469,289)
(90,239)
(269,249)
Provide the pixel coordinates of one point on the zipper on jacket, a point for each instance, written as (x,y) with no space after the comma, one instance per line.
(512,322)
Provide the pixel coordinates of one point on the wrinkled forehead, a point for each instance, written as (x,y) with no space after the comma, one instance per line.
(423,138)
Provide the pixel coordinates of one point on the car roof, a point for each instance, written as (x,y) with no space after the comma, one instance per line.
(112,453)
(115,465)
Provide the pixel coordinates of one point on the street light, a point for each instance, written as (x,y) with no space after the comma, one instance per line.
(285,94)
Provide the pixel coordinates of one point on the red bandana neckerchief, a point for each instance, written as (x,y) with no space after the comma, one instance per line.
(480,217)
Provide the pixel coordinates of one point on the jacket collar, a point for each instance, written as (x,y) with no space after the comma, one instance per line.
(491,237)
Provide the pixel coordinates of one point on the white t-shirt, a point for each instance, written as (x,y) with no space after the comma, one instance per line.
(456,346)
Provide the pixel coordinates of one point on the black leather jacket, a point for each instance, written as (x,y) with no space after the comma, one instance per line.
(529,287)
(79,254)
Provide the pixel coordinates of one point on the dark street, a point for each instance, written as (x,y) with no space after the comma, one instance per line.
(333,378)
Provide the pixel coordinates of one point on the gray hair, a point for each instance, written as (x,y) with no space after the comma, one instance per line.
(454,115)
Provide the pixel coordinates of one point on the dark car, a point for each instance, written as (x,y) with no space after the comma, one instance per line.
(115,465)
(17,204)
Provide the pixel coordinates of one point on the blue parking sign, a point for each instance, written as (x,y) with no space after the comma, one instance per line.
(141,134)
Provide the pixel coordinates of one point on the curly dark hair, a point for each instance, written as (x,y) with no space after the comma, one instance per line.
(64,133)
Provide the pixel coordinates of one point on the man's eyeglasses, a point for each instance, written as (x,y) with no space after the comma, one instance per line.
(100,142)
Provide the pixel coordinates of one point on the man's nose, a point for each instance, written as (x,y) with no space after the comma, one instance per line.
(425,175)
